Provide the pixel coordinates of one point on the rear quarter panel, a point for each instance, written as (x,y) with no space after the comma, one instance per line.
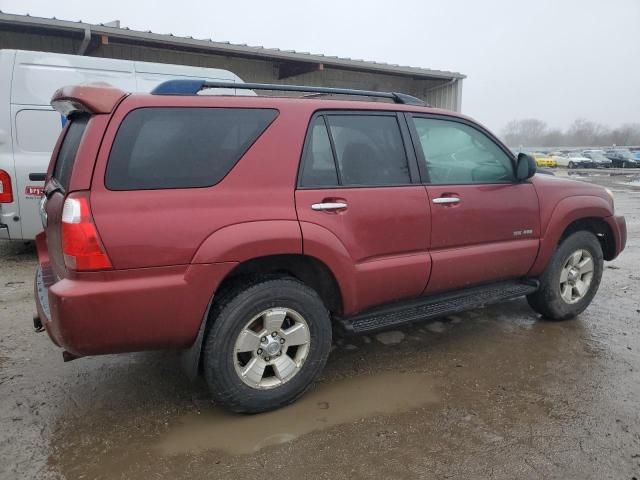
(148,228)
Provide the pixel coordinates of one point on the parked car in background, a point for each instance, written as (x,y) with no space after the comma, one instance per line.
(245,229)
(622,158)
(572,160)
(543,160)
(29,127)
(598,158)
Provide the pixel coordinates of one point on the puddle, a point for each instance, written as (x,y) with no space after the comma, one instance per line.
(325,406)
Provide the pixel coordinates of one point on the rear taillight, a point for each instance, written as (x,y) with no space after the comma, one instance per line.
(81,245)
(6,192)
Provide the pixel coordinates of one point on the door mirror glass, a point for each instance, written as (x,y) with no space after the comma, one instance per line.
(525,167)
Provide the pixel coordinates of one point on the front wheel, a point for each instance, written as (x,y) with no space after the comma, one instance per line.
(268,343)
(571,279)
(571,165)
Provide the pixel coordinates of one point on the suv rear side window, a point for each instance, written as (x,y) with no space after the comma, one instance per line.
(162,148)
(368,150)
(68,150)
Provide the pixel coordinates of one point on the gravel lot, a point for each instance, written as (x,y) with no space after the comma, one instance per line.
(492,393)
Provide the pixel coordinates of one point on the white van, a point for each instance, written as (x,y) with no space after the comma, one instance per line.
(29,127)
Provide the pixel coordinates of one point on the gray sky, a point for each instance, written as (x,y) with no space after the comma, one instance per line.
(553,60)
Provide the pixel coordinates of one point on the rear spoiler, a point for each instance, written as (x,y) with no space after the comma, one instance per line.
(90,98)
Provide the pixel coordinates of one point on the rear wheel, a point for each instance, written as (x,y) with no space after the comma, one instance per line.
(571,279)
(266,346)
(571,165)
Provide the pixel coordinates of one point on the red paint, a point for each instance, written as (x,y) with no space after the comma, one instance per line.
(171,249)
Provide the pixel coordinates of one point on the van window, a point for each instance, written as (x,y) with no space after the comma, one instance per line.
(160,148)
(68,150)
(369,150)
(37,130)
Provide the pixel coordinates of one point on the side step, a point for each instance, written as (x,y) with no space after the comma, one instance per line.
(424,308)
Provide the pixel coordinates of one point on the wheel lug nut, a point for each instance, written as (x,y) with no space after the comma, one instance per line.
(259,351)
(282,340)
(263,339)
(278,354)
(274,334)
(267,358)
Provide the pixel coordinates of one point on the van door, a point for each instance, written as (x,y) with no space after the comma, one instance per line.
(35,132)
(361,208)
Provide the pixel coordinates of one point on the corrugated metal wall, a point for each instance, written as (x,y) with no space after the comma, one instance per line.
(437,92)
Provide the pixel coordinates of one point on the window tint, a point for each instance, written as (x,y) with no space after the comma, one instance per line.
(369,150)
(159,148)
(457,153)
(68,150)
(319,168)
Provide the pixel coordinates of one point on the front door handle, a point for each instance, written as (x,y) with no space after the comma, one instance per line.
(446,200)
(328,206)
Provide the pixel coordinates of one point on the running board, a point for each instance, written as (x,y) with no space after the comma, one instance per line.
(434,306)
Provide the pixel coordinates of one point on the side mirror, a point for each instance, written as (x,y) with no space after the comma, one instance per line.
(525,167)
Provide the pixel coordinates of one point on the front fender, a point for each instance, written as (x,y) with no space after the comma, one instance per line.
(245,241)
(567,211)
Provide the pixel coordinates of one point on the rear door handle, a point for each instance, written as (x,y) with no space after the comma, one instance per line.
(445,200)
(328,206)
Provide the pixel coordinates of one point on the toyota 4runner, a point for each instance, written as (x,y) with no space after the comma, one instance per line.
(245,229)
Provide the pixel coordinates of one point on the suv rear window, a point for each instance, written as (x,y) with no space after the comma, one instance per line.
(162,148)
(68,150)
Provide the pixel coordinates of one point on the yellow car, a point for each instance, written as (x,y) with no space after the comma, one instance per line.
(543,160)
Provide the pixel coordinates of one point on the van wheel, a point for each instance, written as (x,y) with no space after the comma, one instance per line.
(571,279)
(267,345)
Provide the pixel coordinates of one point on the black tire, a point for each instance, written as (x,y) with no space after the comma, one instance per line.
(571,165)
(547,300)
(237,308)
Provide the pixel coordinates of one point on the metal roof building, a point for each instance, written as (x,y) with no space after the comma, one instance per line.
(253,64)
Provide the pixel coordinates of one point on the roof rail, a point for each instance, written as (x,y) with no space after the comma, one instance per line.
(192,87)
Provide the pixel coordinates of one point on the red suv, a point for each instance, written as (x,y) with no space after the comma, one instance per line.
(244,229)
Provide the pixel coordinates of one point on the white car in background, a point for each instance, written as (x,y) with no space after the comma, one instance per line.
(572,160)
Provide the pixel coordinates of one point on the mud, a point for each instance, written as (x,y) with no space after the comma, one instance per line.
(491,393)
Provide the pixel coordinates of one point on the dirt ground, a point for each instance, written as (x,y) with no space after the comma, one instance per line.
(491,393)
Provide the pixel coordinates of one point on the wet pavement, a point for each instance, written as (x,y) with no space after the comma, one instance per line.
(491,393)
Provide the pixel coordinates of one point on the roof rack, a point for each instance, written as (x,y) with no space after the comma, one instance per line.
(192,87)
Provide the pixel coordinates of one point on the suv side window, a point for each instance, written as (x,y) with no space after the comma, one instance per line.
(456,153)
(367,150)
(319,168)
(162,148)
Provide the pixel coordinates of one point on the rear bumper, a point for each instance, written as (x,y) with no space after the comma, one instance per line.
(126,310)
(618,226)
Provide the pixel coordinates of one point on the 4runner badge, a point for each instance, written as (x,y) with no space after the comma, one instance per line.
(521,233)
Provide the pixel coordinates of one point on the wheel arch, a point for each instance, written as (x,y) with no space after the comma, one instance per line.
(307,269)
(570,215)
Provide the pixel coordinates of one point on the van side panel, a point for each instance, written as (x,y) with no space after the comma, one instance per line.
(9,228)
